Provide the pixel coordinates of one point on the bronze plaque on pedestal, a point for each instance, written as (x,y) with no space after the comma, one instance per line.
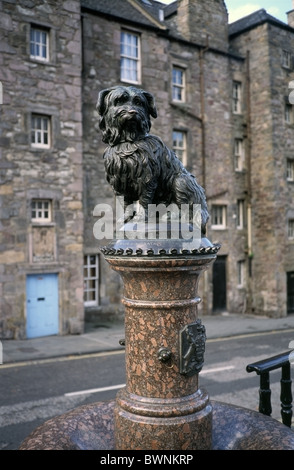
(192,347)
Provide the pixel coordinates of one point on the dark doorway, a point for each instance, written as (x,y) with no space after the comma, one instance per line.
(219,284)
(290,292)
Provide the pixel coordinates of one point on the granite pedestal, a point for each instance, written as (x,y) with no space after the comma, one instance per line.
(162,406)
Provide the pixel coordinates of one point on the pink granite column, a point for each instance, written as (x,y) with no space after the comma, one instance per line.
(160,407)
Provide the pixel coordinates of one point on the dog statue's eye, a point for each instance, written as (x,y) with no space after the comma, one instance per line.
(120,100)
(137,101)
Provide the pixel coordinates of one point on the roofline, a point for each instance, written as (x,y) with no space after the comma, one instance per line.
(147,15)
(269,20)
(196,45)
(121,20)
(161,32)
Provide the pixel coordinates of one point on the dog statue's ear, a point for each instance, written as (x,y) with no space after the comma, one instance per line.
(100,106)
(151,104)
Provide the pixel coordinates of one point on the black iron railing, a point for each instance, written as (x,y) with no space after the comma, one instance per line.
(263,369)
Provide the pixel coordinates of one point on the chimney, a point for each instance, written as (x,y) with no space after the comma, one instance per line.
(290,15)
(199,19)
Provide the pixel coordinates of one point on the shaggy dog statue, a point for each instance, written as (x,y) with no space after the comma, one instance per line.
(138,165)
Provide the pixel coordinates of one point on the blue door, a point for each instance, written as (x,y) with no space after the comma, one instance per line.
(42,305)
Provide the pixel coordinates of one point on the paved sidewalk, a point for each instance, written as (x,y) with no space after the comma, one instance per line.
(106,336)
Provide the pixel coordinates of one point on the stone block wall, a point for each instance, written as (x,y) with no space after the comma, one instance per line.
(202,20)
(84,59)
(214,170)
(51,88)
(272,144)
(158,57)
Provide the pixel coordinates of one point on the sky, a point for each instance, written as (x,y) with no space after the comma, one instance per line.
(239,8)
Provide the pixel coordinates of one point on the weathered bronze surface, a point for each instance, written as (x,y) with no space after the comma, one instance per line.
(192,347)
(139,166)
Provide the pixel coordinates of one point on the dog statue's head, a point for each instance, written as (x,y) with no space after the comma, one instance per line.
(125,114)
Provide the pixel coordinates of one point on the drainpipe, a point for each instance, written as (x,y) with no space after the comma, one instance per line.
(248,162)
(248,184)
(202,96)
(203,149)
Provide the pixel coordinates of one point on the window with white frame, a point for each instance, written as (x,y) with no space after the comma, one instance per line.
(237,88)
(41,210)
(91,280)
(130,57)
(178,84)
(240,273)
(286,59)
(40,131)
(290,170)
(180,146)
(239,154)
(288,113)
(240,214)
(39,44)
(218,216)
(291,229)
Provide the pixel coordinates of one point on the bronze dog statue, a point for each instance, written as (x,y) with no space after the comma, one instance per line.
(139,166)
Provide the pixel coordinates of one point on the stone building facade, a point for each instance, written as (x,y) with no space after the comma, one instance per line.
(267,46)
(41,257)
(222,93)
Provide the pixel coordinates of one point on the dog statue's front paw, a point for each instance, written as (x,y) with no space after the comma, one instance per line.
(140,215)
(139,218)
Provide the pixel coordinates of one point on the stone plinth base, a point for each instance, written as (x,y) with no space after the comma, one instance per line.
(91,427)
(163,424)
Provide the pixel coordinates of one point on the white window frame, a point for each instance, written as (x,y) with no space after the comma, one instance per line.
(178,84)
(130,57)
(41,210)
(237,97)
(219,216)
(239,154)
(241,273)
(286,60)
(180,145)
(240,214)
(288,113)
(91,280)
(291,229)
(40,131)
(39,45)
(290,169)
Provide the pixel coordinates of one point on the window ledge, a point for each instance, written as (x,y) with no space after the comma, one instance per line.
(42,62)
(180,104)
(41,149)
(216,227)
(43,224)
(130,82)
